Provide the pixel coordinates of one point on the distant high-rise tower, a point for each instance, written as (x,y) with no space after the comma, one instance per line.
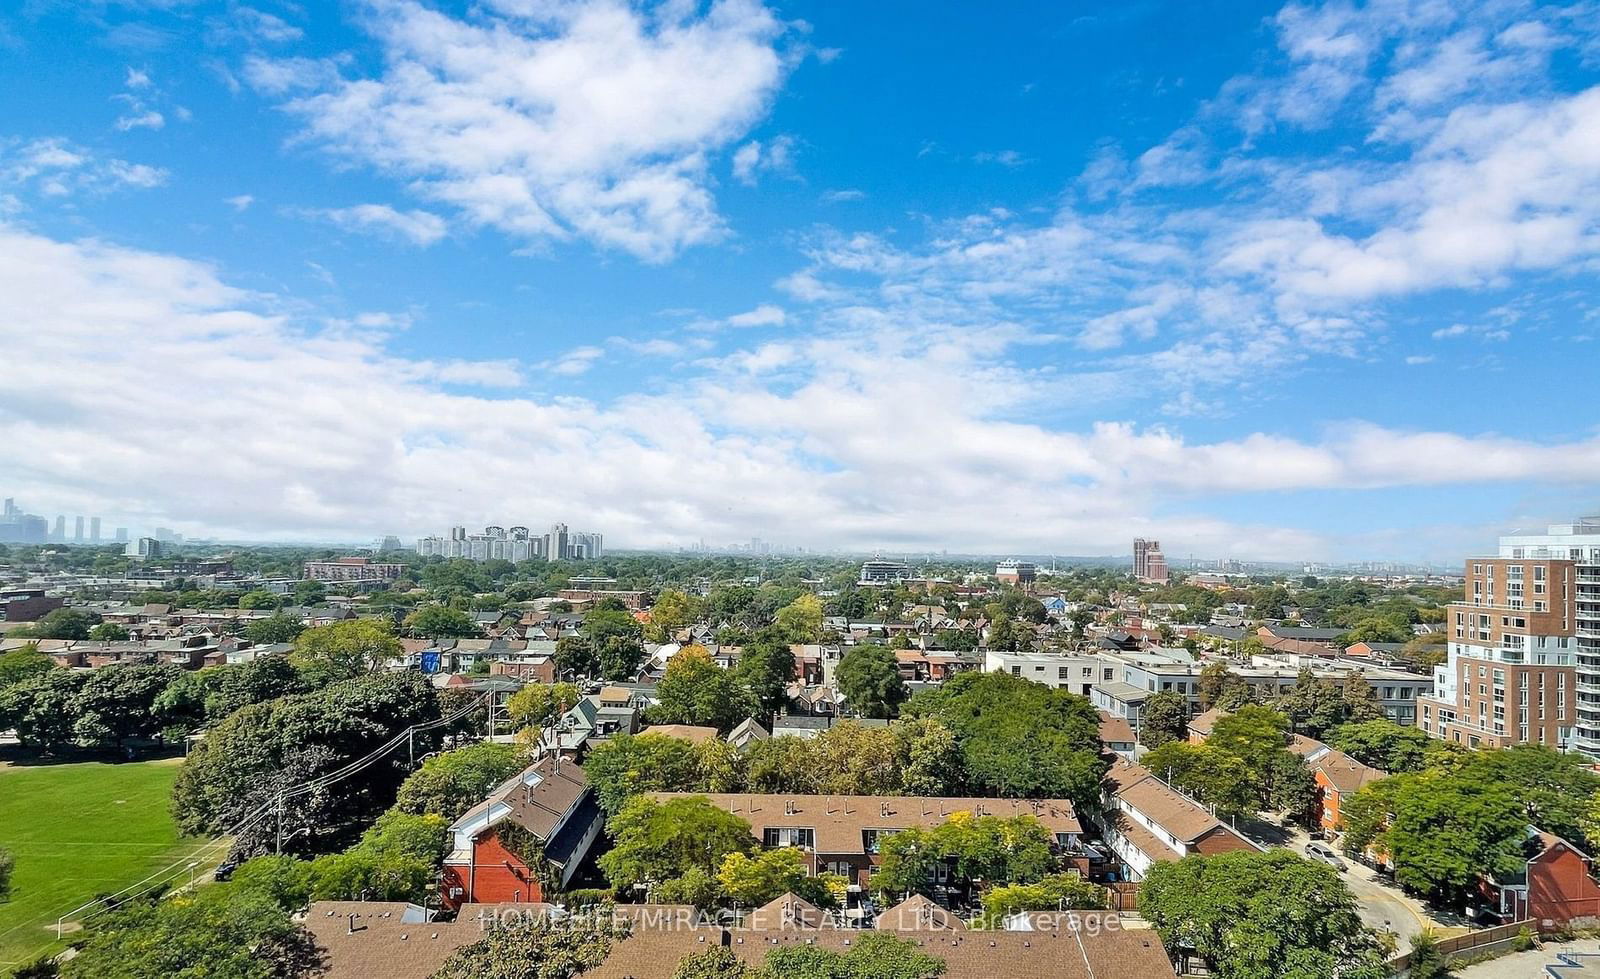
(94,529)
(122,535)
(556,546)
(78,536)
(61,529)
(1149,564)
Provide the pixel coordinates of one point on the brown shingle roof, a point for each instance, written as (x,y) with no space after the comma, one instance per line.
(1345,773)
(540,806)
(1114,729)
(688,732)
(1203,722)
(839,820)
(1179,815)
(919,913)
(385,947)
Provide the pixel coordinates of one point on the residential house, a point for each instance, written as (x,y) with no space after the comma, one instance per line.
(1146,821)
(1117,735)
(529,835)
(1555,886)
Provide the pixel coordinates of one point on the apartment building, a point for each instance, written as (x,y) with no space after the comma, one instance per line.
(353,569)
(1524,646)
(1076,673)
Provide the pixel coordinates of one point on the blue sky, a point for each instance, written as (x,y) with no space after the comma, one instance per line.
(1299,281)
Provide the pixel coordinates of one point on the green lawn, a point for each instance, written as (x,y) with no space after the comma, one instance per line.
(78,830)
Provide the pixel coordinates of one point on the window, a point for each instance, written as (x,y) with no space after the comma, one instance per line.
(872,839)
(1016,671)
(776,836)
(1061,674)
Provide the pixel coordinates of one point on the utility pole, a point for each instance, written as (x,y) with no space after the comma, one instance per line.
(278,847)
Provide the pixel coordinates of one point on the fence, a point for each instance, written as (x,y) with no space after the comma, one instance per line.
(1472,941)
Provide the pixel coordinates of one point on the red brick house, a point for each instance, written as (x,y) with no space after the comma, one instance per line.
(1553,887)
(527,837)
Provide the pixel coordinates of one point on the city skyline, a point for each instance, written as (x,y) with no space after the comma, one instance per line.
(1080,279)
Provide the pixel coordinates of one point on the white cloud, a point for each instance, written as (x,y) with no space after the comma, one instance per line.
(587,118)
(764,315)
(753,158)
(418,227)
(840,196)
(1417,359)
(1006,158)
(56,168)
(240,202)
(722,454)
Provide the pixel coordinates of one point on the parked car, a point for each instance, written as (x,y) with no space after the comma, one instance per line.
(1324,853)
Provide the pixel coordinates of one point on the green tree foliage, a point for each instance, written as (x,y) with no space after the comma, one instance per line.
(1439,829)
(274,629)
(1378,629)
(869,677)
(766,668)
(41,709)
(800,621)
(108,632)
(23,663)
(450,783)
(1165,718)
(220,932)
(1427,960)
(117,703)
(996,850)
(1552,786)
(8,863)
(624,766)
(1221,687)
(673,611)
(872,955)
(396,860)
(260,599)
(767,875)
(712,963)
(614,640)
(543,951)
(440,622)
(1064,892)
(310,592)
(660,841)
(1208,774)
(1254,915)
(265,748)
(1315,704)
(1389,747)
(1019,739)
(695,690)
(342,650)
(61,623)
(538,704)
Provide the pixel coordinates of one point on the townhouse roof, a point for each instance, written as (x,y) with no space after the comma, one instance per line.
(1115,730)
(538,798)
(1138,788)
(392,941)
(1345,773)
(919,913)
(688,732)
(1205,722)
(786,912)
(839,820)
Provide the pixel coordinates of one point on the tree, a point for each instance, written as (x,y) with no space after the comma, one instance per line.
(1209,774)
(1057,892)
(274,629)
(784,764)
(264,678)
(614,637)
(108,632)
(1221,687)
(117,703)
(712,963)
(260,599)
(872,955)
(1165,718)
(754,880)
(1253,915)
(801,620)
(1378,629)
(659,841)
(930,758)
(440,622)
(543,951)
(575,658)
(41,708)
(628,764)
(1019,739)
(1385,745)
(397,859)
(1552,786)
(310,592)
(869,677)
(23,663)
(345,649)
(672,611)
(766,668)
(7,864)
(262,749)
(852,759)
(221,931)
(538,704)
(61,623)
(998,851)
(695,690)
(449,784)
(1426,960)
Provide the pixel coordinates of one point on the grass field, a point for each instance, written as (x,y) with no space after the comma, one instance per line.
(78,830)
